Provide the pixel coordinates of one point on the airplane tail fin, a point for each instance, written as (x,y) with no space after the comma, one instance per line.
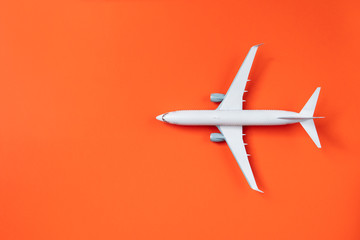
(308,112)
(309,108)
(309,127)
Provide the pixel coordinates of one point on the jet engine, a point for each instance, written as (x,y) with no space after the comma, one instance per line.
(217,137)
(217,97)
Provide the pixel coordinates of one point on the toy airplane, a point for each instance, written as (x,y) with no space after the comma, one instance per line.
(230,117)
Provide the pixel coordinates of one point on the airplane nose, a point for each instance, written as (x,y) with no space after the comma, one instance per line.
(160,117)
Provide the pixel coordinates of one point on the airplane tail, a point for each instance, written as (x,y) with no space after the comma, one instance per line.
(307,112)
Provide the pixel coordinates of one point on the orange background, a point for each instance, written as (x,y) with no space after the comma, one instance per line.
(82,156)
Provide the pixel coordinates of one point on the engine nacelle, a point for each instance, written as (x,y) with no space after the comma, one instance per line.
(217,97)
(217,137)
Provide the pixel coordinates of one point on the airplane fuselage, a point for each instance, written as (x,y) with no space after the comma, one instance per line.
(230,118)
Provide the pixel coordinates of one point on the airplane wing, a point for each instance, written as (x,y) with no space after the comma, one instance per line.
(233,99)
(234,138)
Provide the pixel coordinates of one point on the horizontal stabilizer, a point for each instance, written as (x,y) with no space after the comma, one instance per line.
(309,127)
(307,115)
(309,108)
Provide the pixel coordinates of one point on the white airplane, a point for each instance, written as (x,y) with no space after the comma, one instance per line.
(230,117)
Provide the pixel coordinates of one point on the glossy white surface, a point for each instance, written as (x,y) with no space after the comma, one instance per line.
(234,138)
(234,97)
(230,118)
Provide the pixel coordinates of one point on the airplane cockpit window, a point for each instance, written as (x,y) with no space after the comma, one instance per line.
(163,116)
